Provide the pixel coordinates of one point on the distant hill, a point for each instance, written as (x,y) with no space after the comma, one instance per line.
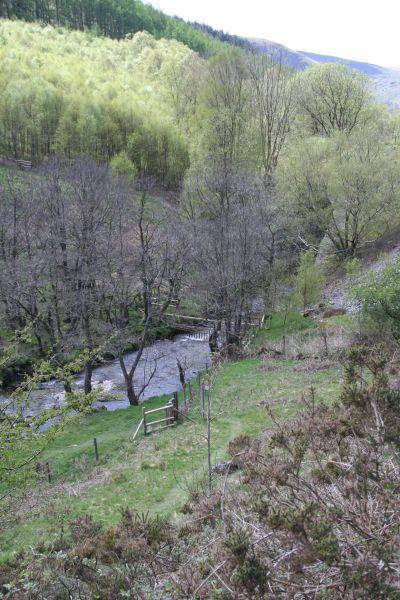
(294,59)
(387,87)
(364,67)
(386,81)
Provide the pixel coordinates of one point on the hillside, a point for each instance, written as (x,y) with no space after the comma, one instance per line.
(294,59)
(386,82)
(117,20)
(288,493)
(113,19)
(76,93)
(364,67)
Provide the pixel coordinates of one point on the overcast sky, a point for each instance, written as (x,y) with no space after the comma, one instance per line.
(363,30)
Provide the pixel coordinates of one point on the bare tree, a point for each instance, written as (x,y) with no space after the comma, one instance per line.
(230,251)
(90,193)
(56,237)
(160,263)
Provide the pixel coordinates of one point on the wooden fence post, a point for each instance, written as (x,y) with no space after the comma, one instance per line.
(202,394)
(175,402)
(144,420)
(190,393)
(96,450)
(169,412)
(209,440)
(48,472)
(137,430)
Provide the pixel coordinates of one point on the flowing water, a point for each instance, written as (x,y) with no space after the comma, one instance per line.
(192,351)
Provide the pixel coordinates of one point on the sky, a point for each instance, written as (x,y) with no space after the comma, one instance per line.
(364,30)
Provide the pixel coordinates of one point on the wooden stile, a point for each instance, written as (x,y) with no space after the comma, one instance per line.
(171,417)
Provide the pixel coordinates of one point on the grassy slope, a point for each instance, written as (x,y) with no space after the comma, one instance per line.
(272,331)
(156,473)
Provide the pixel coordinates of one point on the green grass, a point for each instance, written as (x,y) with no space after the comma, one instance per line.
(156,473)
(19,178)
(348,322)
(186,308)
(7,173)
(273,329)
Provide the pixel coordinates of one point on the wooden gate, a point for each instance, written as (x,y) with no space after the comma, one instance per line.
(170,411)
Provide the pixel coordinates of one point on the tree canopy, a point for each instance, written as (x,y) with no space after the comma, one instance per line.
(116,19)
(74,93)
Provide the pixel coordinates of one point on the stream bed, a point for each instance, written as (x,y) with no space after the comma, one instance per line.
(193,354)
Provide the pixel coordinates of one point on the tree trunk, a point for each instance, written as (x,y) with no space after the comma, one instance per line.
(133,399)
(213,341)
(39,343)
(67,387)
(89,364)
(128,377)
(88,377)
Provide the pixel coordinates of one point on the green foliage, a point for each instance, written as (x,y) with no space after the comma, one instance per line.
(338,175)
(238,543)
(379,296)
(309,279)
(10,353)
(333,98)
(352,268)
(379,401)
(342,187)
(252,575)
(117,20)
(274,328)
(72,93)
(121,164)
(225,105)
(24,438)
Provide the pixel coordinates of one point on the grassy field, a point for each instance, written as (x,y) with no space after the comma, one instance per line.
(156,473)
(272,330)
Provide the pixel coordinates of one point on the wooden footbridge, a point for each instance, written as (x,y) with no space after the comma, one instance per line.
(201,328)
(196,327)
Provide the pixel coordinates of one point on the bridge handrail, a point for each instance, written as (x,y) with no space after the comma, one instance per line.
(25,164)
(202,319)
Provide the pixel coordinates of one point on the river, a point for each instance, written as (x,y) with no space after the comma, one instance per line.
(193,354)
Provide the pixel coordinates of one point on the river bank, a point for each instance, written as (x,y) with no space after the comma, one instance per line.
(12,373)
(193,355)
